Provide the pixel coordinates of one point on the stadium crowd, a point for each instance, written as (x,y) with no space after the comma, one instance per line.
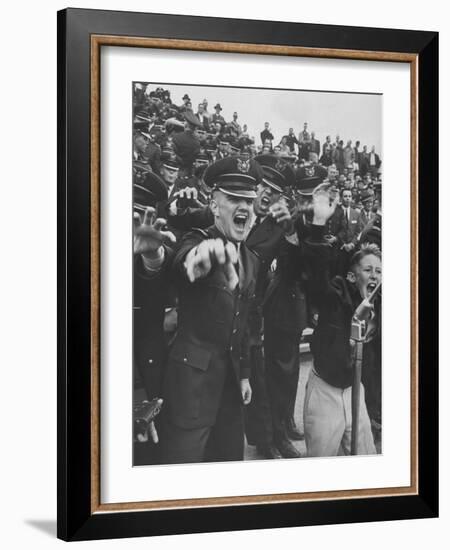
(240,244)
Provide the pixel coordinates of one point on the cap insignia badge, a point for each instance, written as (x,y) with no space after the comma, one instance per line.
(243,165)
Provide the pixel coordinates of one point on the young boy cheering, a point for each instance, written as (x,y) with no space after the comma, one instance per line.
(328,399)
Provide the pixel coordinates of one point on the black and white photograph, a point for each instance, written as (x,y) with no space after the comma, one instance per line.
(257,273)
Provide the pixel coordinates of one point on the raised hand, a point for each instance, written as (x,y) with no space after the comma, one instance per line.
(246,391)
(148,233)
(282,215)
(189,193)
(324,203)
(186,196)
(209,253)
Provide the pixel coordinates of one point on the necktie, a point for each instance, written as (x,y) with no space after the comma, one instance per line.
(239,266)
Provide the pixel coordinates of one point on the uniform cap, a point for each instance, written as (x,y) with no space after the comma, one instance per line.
(234,176)
(277,173)
(169,159)
(150,192)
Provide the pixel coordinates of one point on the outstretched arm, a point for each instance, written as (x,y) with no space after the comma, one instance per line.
(203,257)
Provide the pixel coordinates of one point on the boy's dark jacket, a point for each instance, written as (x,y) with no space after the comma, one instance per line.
(337,300)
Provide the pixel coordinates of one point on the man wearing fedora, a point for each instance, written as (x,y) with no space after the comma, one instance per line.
(217,117)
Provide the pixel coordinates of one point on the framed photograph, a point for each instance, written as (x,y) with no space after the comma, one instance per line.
(231,354)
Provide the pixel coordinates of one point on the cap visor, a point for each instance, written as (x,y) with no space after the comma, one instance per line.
(273,185)
(239,193)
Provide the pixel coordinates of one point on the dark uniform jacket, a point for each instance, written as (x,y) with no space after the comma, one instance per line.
(210,337)
(337,300)
(150,293)
(285,300)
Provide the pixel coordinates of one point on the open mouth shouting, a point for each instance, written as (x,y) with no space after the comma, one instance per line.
(240,221)
(265,202)
(370,288)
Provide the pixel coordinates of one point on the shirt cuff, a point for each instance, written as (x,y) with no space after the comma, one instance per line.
(154,264)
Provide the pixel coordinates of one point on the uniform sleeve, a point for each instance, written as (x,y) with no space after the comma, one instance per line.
(319,254)
(245,355)
(190,218)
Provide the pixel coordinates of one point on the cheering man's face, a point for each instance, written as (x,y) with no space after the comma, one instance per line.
(233,215)
(266,196)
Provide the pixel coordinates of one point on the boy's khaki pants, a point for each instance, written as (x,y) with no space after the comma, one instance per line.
(327,417)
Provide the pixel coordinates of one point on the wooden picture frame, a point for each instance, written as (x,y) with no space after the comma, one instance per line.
(81,35)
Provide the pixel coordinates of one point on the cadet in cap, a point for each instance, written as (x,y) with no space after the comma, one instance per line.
(234,176)
(140,169)
(233,183)
(277,182)
(212,330)
(149,192)
(277,173)
(142,116)
(169,159)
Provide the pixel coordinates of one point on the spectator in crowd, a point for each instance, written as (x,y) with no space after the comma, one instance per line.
(348,155)
(217,117)
(283,146)
(366,213)
(202,116)
(266,134)
(314,145)
(328,400)
(327,148)
(187,105)
(140,142)
(338,156)
(152,246)
(348,236)
(235,124)
(364,161)
(357,153)
(304,143)
(291,140)
(374,163)
(186,144)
